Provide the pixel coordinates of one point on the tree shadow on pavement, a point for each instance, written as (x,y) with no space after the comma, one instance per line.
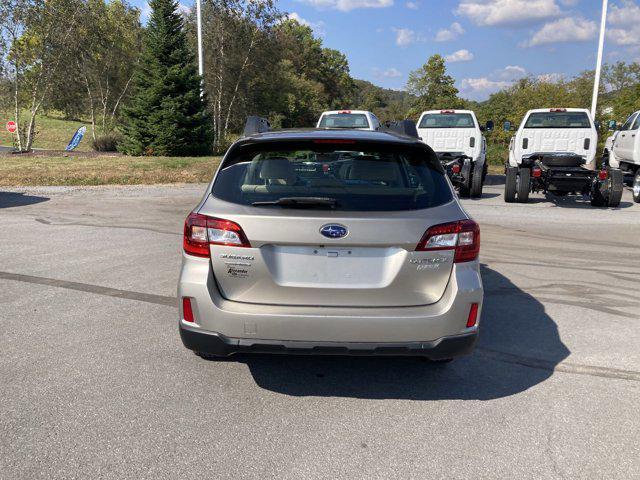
(18,199)
(515,332)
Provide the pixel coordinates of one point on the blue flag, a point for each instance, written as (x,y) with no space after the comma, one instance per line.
(77,138)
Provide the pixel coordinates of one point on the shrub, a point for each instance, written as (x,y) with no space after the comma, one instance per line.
(107,142)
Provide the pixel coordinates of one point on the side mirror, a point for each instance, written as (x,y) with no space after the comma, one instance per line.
(489,126)
(597,125)
(612,125)
(506,126)
(482,128)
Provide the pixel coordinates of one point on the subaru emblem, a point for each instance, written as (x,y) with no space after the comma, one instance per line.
(333,230)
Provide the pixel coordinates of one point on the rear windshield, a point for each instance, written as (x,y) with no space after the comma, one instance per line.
(447,120)
(343,177)
(558,120)
(344,120)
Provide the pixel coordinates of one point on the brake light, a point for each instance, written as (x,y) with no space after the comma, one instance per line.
(345,111)
(447,111)
(455,168)
(473,316)
(536,172)
(187,310)
(557,110)
(602,174)
(462,236)
(201,231)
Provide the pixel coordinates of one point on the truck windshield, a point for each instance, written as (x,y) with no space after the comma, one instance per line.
(344,120)
(447,120)
(348,177)
(558,120)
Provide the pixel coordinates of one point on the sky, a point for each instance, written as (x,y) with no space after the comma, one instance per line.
(488,44)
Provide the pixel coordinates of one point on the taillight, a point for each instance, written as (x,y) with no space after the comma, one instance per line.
(462,236)
(536,172)
(455,168)
(187,310)
(603,174)
(201,231)
(472,319)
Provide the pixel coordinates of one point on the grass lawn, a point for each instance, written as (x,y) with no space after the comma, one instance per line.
(51,133)
(31,170)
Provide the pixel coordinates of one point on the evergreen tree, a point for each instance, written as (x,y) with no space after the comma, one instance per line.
(433,87)
(166,114)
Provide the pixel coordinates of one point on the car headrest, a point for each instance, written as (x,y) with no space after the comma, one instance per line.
(367,168)
(277,168)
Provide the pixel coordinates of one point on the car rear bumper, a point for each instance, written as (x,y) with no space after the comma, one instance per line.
(216,344)
(257,324)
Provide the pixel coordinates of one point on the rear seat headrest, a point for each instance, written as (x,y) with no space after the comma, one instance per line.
(367,168)
(277,168)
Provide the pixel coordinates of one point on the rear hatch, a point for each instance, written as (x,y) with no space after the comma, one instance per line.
(450,132)
(332,225)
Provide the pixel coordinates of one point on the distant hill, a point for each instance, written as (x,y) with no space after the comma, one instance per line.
(385,103)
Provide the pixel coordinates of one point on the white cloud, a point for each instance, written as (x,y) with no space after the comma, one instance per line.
(317,27)
(412,5)
(508,12)
(451,33)
(405,37)
(511,72)
(183,9)
(564,30)
(482,85)
(569,3)
(388,73)
(625,20)
(463,55)
(348,5)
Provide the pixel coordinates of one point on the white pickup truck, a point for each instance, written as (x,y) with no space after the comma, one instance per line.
(456,137)
(554,151)
(624,151)
(358,119)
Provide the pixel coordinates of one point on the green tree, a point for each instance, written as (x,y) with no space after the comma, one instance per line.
(166,114)
(433,87)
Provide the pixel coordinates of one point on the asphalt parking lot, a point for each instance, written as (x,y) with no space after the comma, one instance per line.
(96,384)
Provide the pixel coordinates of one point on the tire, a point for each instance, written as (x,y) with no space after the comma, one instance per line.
(465,189)
(510,183)
(636,186)
(616,186)
(477,180)
(524,184)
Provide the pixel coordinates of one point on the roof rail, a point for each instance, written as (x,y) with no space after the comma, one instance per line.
(255,124)
(403,127)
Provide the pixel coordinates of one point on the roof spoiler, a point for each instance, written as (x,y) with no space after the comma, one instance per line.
(402,127)
(255,124)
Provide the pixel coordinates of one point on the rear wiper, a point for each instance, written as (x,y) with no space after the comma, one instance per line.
(300,202)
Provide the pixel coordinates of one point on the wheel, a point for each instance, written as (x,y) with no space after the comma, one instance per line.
(465,188)
(615,187)
(477,180)
(636,186)
(523,184)
(510,184)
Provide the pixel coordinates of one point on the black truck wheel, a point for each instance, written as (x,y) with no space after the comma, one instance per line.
(465,186)
(510,183)
(524,184)
(615,187)
(636,186)
(477,180)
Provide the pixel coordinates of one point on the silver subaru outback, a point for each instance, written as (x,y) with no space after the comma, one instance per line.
(330,242)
